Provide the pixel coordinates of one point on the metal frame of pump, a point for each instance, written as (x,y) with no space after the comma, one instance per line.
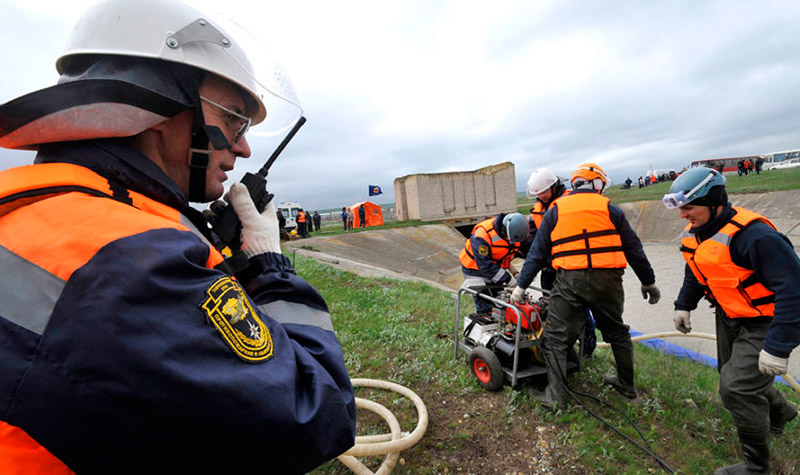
(512,374)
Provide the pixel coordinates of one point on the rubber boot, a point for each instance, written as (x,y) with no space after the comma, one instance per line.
(623,381)
(780,412)
(755,451)
(554,395)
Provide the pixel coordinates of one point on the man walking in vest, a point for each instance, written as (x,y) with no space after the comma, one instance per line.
(128,342)
(751,274)
(589,243)
(487,254)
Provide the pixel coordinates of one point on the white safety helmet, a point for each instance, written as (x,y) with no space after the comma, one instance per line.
(540,181)
(101,94)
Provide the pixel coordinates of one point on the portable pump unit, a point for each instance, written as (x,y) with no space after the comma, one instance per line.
(497,331)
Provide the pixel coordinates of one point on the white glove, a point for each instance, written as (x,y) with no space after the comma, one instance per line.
(772,365)
(518,295)
(682,323)
(259,231)
(652,290)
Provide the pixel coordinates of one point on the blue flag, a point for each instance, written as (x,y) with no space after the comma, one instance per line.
(374,190)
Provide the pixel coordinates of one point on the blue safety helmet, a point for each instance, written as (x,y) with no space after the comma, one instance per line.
(516,227)
(697,185)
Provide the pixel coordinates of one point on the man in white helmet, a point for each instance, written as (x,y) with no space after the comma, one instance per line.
(126,343)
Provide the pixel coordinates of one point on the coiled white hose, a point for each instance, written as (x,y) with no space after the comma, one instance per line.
(385,444)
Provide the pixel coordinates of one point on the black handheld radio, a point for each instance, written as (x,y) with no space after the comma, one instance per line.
(226,224)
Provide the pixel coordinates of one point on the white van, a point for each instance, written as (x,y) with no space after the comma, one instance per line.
(289,211)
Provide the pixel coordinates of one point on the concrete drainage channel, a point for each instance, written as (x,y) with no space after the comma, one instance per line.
(429,253)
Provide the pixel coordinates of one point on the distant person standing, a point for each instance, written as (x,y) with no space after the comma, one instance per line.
(317,221)
(641,182)
(350,218)
(362,217)
(281,224)
(759,165)
(344,218)
(740,167)
(628,183)
(301,223)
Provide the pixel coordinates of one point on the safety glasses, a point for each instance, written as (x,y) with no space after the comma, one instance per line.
(237,121)
(681,199)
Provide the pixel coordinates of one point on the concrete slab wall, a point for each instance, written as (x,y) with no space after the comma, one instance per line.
(457,195)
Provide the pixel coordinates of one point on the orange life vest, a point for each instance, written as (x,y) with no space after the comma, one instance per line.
(539,209)
(500,250)
(584,236)
(41,193)
(734,288)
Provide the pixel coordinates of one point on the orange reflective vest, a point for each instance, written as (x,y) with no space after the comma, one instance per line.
(538,210)
(301,217)
(584,236)
(500,250)
(40,193)
(734,288)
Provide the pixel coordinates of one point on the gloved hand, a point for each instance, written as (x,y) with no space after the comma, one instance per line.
(652,290)
(772,365)
(518,295)
(259,231)
(682,323)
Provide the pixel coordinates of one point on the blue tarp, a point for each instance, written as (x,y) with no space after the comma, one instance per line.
(679,351)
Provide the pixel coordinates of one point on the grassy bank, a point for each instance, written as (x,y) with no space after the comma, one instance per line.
(402,332)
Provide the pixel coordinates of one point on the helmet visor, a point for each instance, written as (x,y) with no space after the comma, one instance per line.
(680,199)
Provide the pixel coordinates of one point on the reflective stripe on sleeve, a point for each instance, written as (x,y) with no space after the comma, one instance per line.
(290,312)
(499,275)
(28,293)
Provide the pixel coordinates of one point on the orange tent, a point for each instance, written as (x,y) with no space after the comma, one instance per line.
(373,214)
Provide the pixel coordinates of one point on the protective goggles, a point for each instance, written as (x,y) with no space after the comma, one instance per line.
(237,121)
(681,198)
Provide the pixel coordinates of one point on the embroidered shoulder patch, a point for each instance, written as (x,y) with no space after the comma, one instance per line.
(483,250)
(230,311)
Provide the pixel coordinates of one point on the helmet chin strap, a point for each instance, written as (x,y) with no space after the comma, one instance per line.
(200,154)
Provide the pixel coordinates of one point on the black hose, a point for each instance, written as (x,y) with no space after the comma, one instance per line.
(562,380)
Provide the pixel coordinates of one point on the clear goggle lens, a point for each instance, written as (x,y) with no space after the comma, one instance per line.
(675,200)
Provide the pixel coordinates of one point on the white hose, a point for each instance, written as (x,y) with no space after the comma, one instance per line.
(707,336)
(386,444)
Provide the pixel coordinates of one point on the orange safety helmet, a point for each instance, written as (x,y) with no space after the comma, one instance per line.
(587,173)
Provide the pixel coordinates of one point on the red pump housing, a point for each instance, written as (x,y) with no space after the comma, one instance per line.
(532,311)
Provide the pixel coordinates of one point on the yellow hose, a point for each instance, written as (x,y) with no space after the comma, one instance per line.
(386,444)
(707,336)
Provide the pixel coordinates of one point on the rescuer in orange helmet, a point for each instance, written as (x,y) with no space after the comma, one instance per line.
(589,243)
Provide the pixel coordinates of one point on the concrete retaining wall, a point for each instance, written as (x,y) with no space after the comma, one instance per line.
(655,223)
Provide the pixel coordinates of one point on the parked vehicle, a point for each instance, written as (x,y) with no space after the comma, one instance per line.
(791,163)
(289,211)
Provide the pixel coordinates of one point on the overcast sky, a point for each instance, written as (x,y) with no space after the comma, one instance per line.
(404,87)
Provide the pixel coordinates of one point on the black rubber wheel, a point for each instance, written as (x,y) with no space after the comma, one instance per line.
(486,367)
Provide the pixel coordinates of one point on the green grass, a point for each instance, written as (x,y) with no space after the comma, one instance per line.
(402,332)
(773,180)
